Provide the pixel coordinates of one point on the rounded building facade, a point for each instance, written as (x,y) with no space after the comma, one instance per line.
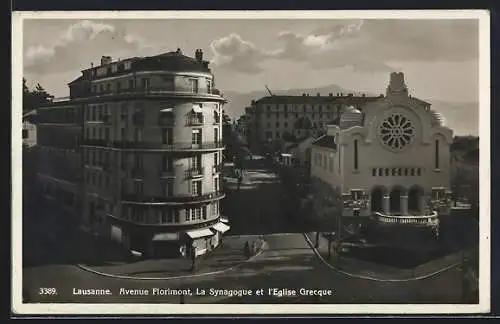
(153,154)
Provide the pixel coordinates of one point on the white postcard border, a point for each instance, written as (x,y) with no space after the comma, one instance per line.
(168,309)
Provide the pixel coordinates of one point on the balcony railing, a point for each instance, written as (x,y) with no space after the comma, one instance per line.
(423,220)
(195,121)
(154,90)
(177,199)
(194,172)
(179,146)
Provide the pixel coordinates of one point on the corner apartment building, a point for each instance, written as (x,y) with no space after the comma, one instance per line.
(272,116)
(151,151)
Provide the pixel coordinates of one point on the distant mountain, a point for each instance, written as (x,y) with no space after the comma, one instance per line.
(463,118)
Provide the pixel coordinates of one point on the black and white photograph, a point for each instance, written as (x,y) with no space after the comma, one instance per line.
(251,162)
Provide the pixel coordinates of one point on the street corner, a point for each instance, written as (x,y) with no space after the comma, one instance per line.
(229,255)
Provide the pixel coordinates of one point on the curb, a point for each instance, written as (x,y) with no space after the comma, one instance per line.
(422,277)
(103,274)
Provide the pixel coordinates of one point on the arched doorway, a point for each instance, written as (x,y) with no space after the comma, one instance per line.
(377,196)
(414,196)
(395,200)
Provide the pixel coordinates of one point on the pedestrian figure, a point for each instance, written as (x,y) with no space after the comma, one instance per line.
(254,248)
(246,250)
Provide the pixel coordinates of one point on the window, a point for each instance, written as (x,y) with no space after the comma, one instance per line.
(286,125)
(138,187)
(356,155)
(268,125)
(193,84)
(386,172)
(176,215)
(374,172)
(197,188)
(118,86)
(209,86)
(138,161)
(106,134)
(167,135)
(196,136)
(278,134)
(130,84)
(138,134)
(216,158)
(188,214)
(400,172)
(419,171)
(195,162)
(380,172)
(277,124)
(123,134)
(406,172)
(145,83)
(167,163)
(330,165)
(168,188)
(216,135)
(197,214)
(164,213)
(268,108)
(436,156)
(25,133)
(124,111)
(324,161)
(204,212)
(124,161)
(394,171)
(412,171)
(216,184)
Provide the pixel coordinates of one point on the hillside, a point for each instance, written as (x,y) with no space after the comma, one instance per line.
(463,118)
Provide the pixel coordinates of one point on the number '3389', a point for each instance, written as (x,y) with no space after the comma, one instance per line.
(47,291)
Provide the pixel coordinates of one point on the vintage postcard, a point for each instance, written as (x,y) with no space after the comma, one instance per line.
(330,162)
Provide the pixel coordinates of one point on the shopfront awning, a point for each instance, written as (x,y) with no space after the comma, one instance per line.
(221,227)
(224,220)
(194,234)
(165,237)
(167,110)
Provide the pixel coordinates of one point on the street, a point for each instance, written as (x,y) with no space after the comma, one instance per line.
(254,212)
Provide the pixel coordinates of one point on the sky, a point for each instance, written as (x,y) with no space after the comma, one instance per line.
(439,57)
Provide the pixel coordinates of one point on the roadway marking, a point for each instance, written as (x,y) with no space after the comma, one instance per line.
(265,245)
(426,276)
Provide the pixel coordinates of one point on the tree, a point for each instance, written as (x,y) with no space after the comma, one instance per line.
(32,99)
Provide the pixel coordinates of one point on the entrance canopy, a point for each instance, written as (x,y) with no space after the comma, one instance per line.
(194,234)
(221,227)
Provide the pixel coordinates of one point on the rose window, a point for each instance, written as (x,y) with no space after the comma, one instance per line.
(396,132)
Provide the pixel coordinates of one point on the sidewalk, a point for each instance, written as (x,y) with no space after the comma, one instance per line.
(227,256)
(376,271)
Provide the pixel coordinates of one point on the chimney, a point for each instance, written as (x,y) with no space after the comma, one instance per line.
(363,95)
(105,60)
(330,94)
(198,54)
(178,51)
(318,94)
(349,94)
(91,64)
(341,94)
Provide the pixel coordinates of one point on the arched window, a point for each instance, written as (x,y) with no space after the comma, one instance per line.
(374,172)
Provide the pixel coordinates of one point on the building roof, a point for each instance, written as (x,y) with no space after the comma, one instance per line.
(326,141)
(313,99)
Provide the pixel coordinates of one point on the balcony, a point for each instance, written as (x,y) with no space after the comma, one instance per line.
(194,173)
(195,120)
(431,220)
(172,200)
(155,91)
(179,146)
